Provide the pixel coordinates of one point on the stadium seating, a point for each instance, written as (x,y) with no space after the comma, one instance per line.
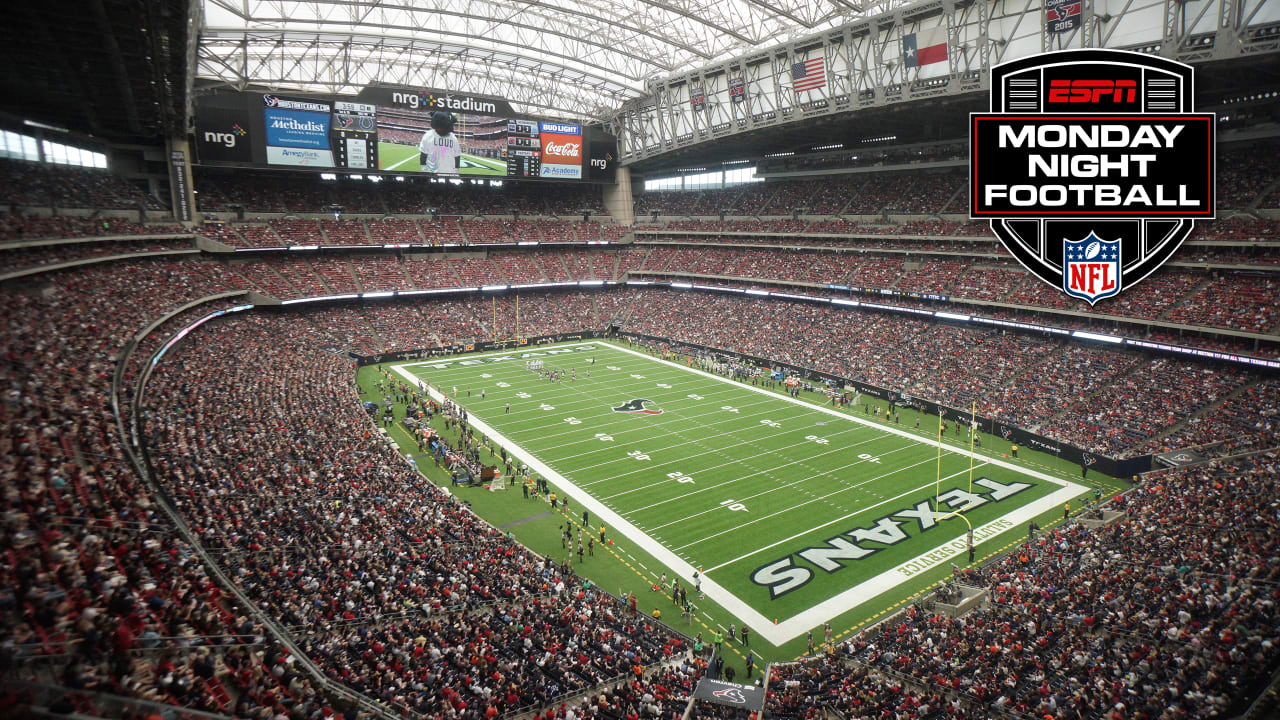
(418,551)
(44,185)
(1117,622)
(342,532)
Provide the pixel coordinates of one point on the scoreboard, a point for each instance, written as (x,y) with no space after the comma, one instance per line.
(354,134)
(383,128)
(524,149)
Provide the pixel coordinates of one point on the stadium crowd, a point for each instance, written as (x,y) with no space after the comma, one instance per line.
(1170,613)
(336,551)
(397,591)
(339,503)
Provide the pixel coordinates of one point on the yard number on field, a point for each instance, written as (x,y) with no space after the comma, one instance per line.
(680,477)
(869,458)
(734,505)
(637,455)
(692,396)
(771,423)
(573,421)
(604,437)
(815,438)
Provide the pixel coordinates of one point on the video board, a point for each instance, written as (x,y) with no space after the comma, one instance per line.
(395,130)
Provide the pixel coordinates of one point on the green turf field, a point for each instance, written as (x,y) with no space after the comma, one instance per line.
(394,156)
(796,512)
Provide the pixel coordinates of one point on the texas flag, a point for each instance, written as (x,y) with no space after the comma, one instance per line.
(925,47)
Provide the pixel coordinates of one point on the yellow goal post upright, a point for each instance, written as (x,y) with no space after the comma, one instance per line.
(938,515)
(517,338)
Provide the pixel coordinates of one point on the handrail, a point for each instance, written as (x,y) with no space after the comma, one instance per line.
(54,267)
(48,692)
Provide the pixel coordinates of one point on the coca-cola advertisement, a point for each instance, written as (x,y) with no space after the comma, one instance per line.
(561,151)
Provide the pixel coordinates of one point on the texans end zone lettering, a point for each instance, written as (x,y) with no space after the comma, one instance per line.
(1091,166)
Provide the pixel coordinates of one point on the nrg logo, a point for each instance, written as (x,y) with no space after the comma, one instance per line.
(227,139)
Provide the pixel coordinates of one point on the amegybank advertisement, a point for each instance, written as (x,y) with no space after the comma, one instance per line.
(561,151)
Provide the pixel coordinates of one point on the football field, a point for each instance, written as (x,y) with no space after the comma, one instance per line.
(795,512)
(394,156)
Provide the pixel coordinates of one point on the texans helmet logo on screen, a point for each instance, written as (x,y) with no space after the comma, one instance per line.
(638,406)
(730,694)
(1092,166)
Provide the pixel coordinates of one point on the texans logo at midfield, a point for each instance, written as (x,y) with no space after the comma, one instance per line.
(638,406)
(730,694)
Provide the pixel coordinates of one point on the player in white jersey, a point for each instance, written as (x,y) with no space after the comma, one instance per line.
(439,150)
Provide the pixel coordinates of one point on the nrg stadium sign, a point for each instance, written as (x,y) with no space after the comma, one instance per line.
(1091,166)
(432,99)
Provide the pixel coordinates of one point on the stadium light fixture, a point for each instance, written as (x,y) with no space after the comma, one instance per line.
(380,294)
(951,316)
(1094,336)
(681,286)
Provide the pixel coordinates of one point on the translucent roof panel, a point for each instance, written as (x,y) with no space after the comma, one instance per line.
(556,57)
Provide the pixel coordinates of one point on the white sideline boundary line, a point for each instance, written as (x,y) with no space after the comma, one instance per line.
(825,610)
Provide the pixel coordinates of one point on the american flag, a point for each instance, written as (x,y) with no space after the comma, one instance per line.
(808,75)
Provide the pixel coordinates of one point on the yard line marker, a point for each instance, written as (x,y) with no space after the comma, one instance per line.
(819,527)
(762,472)
(795,482)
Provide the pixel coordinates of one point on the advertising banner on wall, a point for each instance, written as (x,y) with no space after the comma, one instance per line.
(561,150)
(222,135)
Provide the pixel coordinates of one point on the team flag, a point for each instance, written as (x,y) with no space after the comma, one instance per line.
(1061,15)
(925,47)
(809,74)
(737,89)
(697,97)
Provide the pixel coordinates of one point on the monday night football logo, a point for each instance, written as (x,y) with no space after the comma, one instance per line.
(1092,166)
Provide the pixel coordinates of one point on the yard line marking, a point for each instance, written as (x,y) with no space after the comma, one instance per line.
(648,427)
(787,485)
(735,462)
(393,167)
(832,522)
(675,413)
(688,457)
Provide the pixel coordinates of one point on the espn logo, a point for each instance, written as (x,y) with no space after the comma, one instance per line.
(1093,91)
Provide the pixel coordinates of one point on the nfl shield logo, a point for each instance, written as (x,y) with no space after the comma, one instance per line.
(1091,268)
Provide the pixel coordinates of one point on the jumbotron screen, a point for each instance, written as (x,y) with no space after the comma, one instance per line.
(395,130)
